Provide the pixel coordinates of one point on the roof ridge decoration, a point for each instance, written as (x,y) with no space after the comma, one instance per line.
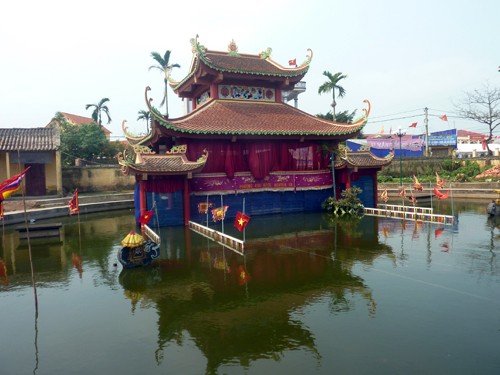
(131,138)
(232,48)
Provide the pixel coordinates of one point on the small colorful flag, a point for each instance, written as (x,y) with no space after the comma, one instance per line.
(145,217)
(384,196)
(73,203)
(219,213)
(203,207)
(241,221)
(11,185)
(417,186)
(439,194)
(414,125)
(444,117)
(439,181)
(292,62)
(402,192)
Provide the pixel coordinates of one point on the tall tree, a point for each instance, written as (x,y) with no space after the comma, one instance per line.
(332,85)
(165,67)
(482,106)
(98,109)
(146,116)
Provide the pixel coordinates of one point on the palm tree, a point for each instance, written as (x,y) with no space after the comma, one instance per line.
(331,85)
(165,68)
(98,109)
(146,116)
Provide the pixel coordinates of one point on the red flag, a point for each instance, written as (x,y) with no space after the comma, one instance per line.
(292,62)
(73,204)
(203,207)
(241,221)
(483,143)
(11,185)
(414,125)
(444,118)
(438,232)
(219,213)
(145,217)
(1,210)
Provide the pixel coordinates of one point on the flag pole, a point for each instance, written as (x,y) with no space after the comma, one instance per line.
(223,217)
(23,187)
(244,228)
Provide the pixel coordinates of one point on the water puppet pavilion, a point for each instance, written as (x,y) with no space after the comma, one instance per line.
(239,140)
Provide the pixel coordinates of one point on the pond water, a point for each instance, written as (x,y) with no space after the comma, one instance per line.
(378,296)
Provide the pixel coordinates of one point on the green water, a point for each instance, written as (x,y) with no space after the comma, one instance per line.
(378,296)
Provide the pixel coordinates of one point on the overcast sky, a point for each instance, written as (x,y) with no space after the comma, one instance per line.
(402,56)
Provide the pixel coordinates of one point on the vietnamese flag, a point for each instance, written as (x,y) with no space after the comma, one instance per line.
(241,221)
(292,62)
(146,217)
(414,125)
(444,117)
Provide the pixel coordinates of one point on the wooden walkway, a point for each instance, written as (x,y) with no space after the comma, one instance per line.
(223,239)
(409,213)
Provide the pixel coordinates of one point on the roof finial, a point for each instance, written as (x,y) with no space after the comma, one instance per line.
(232,48)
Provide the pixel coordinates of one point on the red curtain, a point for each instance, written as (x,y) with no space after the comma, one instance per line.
(258,157)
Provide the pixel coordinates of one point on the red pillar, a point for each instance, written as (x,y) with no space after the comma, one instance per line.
(142,196)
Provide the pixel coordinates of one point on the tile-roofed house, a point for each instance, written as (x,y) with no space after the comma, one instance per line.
(78,120)
(252,144)
(37,148)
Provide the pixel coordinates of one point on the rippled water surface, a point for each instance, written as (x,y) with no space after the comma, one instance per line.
(311,295)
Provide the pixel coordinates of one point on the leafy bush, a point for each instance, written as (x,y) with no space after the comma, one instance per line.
(349,203)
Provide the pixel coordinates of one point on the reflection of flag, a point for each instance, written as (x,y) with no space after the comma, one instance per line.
(292,62)
(438,232)
(244,276)
(11,185)
(219,213)
(446,247)
(203,207)
(146,217)
(73,203)
(241,221)
(444,117)
(414,125)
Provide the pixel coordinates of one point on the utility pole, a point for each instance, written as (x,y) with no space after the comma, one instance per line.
(426,122)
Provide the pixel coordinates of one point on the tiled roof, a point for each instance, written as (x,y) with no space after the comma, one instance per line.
(242,64)
(367,159)
(29,139)
(232,117)
(175,164)
(77,120)
(250,64)
(80,120)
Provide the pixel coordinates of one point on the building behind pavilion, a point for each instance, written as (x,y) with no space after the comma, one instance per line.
(240,145)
